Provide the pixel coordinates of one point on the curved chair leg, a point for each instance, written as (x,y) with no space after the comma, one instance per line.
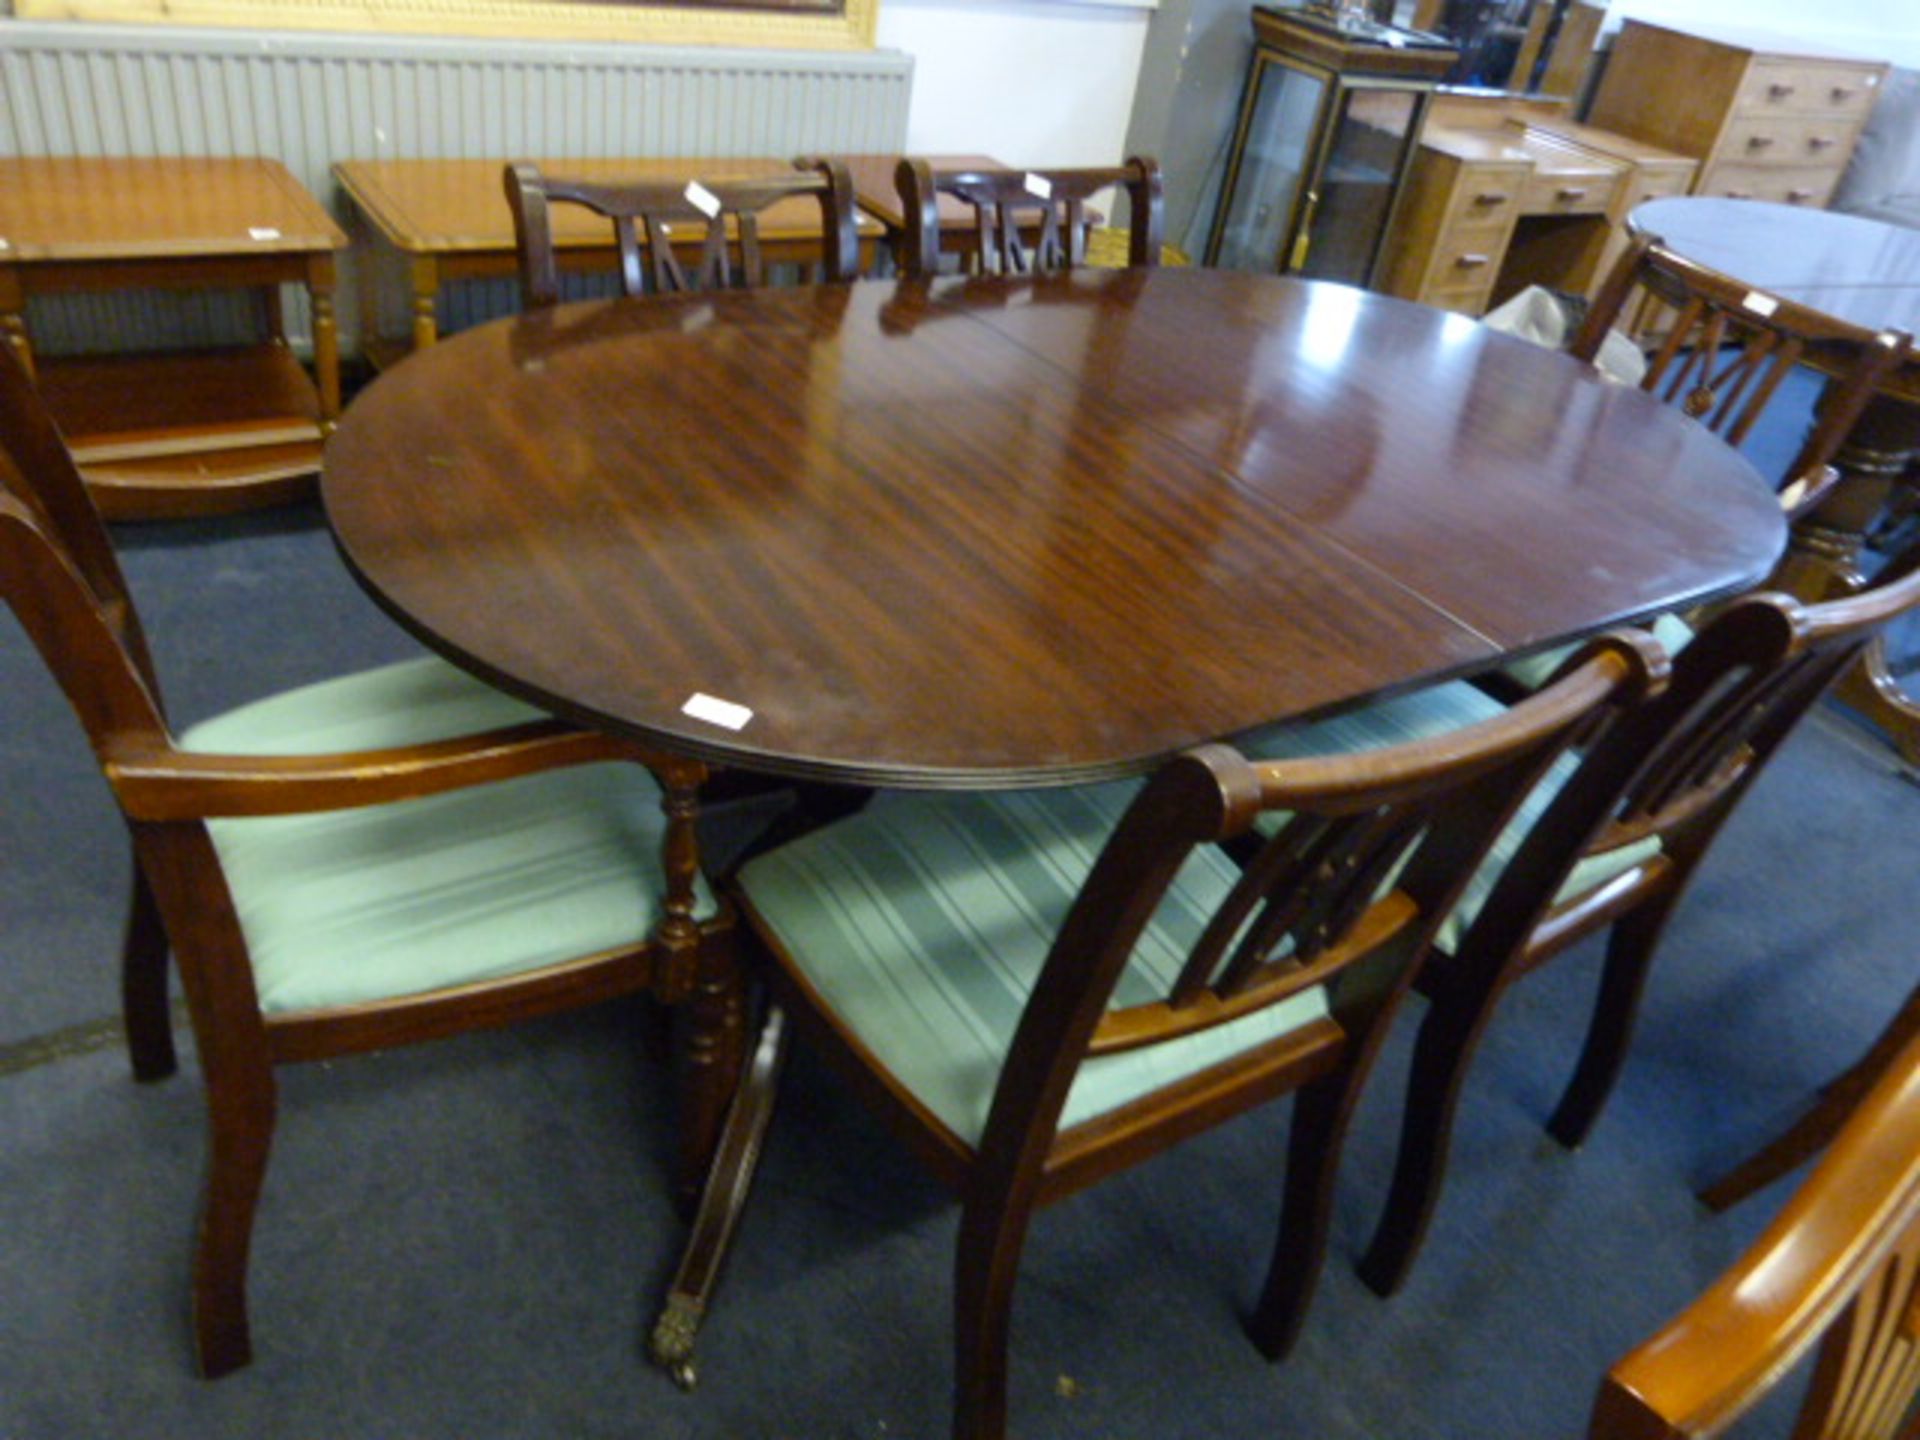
(986,1266)
(1320,1115)
(1821,1121)
(143,986)
(242,1137)
(670,1345)
(1630,949)
(1442,1054)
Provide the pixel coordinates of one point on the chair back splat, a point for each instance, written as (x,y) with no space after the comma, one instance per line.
(1026,221)
(1836,1269)
(1728,349)
(301,935)
(1143,987)
(1616,848)
(648,218)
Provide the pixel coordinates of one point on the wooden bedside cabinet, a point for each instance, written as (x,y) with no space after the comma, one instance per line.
(1768,118)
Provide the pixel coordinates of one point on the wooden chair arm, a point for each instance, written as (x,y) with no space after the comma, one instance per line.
(1696,1376)
(173,784)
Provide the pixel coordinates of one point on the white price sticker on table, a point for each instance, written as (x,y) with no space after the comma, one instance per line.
(1040,186)
(715,711)
(702,199)
(262,232)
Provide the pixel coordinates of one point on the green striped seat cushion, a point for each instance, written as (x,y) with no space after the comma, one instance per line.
(1422,715)
(925,919)
(401,899)
(1531,673)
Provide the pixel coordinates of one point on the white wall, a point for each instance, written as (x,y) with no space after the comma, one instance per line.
(1029,82)
(1877,29)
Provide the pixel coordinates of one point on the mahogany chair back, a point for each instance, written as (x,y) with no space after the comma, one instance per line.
(1027,221)
(1730,347)
(646,213)
(1835,1270)
(1664,779)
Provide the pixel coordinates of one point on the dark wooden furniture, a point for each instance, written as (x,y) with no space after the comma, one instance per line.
(1024,221)
(1835,1270)
(1330,118)
(879,196)
(1331,914)
(185,432)
(1867,274)
(1671,771)
(447,221)
(1725,349)
(726,212)
(875,500)
(427,828)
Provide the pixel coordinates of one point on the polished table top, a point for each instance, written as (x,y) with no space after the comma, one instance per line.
(1862,271)
(82,208)
(995,532)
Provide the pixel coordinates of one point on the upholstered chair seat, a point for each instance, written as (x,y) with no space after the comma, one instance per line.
(343,907)
(925,920)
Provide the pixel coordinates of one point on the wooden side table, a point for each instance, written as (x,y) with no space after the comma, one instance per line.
(448,220)
(186,432)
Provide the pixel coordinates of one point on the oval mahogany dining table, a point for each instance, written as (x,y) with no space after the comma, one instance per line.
(1001,532)
(1007,532)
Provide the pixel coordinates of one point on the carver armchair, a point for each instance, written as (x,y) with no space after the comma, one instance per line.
(374,860)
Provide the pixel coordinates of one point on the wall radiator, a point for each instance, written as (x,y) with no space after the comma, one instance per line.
(309,100)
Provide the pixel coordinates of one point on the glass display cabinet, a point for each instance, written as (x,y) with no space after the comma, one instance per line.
(1328,126)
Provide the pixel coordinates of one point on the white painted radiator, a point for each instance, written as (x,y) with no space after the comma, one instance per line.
(310,100)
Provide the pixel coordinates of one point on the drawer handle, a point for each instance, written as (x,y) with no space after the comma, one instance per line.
(1841,93)
(1799,197)
(1777,91)
(1492,197)
(1471,262)
(1571,192)
(1760,142)
(1821,142)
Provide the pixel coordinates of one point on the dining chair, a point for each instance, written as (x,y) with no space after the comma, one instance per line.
(1039,989)
(1610,843)
(1050,206)
(725,211)
(1725,358)
(378,859)
(1729,347)
(1833,1275)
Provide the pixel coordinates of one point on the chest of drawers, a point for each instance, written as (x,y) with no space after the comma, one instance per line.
(1767,118)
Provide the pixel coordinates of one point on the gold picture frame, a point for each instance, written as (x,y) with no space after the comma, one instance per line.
(847,25)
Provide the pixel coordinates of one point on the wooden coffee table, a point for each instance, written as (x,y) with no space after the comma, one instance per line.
(448,220)
(190,432)
(1866,272)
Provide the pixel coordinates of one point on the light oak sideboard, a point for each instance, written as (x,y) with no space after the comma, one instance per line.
(1768,118)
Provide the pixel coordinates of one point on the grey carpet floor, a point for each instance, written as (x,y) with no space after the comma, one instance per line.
(466,1239)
